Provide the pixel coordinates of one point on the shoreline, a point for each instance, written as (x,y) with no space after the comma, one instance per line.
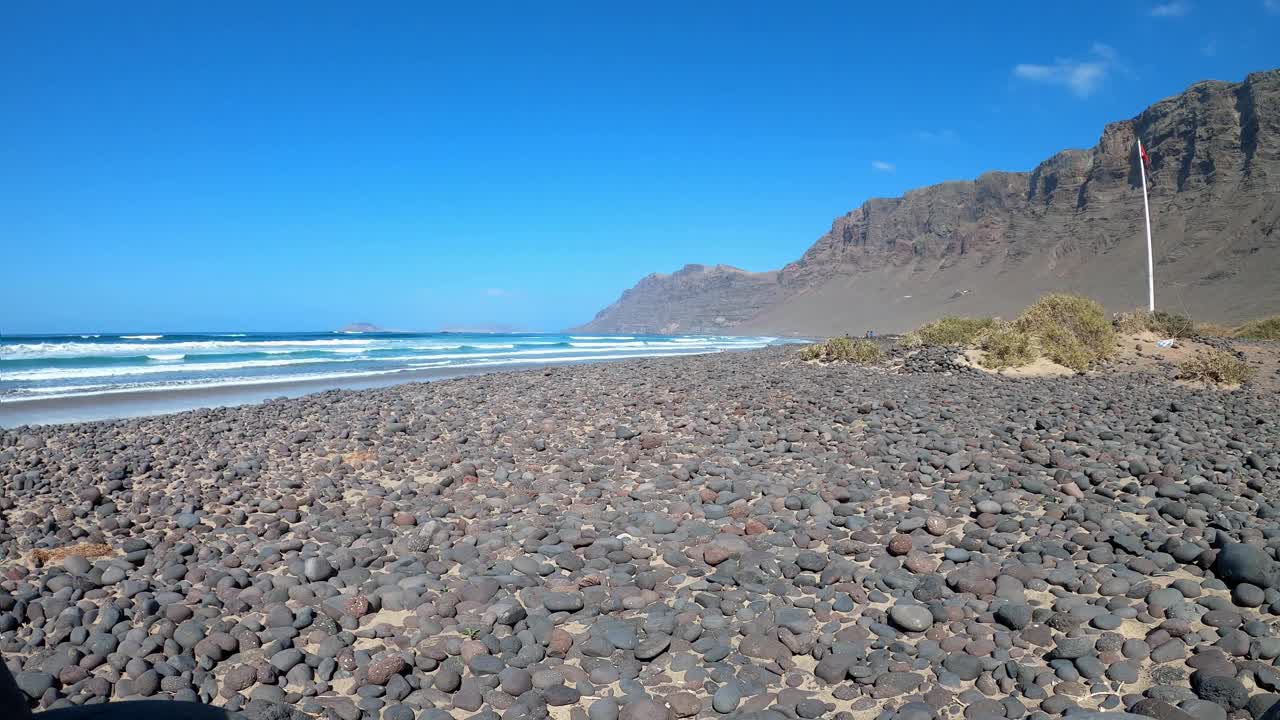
(127,404)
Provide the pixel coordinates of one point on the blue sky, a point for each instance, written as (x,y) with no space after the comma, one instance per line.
(273,166)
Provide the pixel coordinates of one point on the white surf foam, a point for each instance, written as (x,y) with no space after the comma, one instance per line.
(103,372)
(607,345)
(46,392)
(549,355)
(34,351)
(574,358)
(599,353)
(152,374)
(141,337)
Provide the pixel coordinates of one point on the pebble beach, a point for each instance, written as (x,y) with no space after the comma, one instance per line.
(732,535)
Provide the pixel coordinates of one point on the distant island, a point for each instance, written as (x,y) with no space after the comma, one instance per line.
(361,327)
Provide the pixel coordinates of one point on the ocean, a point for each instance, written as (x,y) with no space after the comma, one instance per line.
(51,367)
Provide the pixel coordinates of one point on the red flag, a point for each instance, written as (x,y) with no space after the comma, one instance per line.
(1146,161)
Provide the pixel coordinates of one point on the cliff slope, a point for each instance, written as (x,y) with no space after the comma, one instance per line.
(993,244)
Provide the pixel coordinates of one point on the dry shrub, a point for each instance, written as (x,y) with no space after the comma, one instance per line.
(843,349)
(1130,323)
(84,550)
(1172,325)
(1214,330)
(1265,329)
(953,330)
(1217,367)
(1070,330)
(1007,346)
(1164,324)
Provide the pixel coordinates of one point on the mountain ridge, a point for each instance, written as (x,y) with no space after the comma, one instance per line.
(992,244)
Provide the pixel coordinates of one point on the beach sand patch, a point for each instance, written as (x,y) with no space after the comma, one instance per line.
(1142,352)
(356,458)
(1041,367)
(1135,353)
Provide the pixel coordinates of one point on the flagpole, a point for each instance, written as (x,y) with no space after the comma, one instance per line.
(1146,209)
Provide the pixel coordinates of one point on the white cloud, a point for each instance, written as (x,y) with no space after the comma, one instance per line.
(1082,77)
(1177,8)
(883,166)
(497,292)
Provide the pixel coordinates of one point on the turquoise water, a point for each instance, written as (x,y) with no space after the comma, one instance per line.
(52,366)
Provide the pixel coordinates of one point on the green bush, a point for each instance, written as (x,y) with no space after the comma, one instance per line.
(1069,330)
(1007,346)
(1267,329)
(843,349)
(953,330)
(1218,367)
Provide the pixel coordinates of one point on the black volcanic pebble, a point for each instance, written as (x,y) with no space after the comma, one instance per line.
(1242,563)
(660,538)
(1220,689)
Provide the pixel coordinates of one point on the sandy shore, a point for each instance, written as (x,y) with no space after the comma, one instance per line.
(703,536)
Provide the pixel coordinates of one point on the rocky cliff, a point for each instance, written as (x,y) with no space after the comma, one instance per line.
(993,244)
(695,298)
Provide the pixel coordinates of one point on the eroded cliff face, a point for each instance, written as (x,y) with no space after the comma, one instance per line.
(694,299)
(993,244)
